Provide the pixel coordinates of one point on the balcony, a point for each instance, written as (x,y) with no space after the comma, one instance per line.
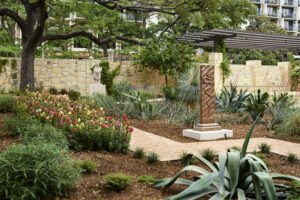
(275,2)
(289,15)
(290,3)
(273,14)
(290,28)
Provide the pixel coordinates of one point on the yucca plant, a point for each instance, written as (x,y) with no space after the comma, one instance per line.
(231,100)
(237,175)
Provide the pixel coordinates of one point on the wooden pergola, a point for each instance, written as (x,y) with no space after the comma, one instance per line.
(242,40)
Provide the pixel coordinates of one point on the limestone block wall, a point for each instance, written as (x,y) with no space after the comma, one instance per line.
(77,74)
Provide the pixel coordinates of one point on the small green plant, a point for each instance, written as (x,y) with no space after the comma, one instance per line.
(63,91)
(117,181)
(7,103)
(257,104)
(119,89)
(208,154)
(74,95)
(290,124)
(53,90)
(148,179)
(294,192)
(36,172)
(19,123)
(139,153)
(170,93)
(87,166)
(107,77)
(152,158)
(292,158)
(264,148)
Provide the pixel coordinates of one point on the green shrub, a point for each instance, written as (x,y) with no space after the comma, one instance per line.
(170,93)
(63,91)
(139,153)
(87,166)
(208,154)
(53,90)
(264,148)
(292,158)
(35,172)
(106,139)
(107,77)
(7,103)
(44,133)
(119,89)
(117,181)
(74,95)
(152,158)
(290,124)
(257,104)
(19,123)
(148,179)
(294,192)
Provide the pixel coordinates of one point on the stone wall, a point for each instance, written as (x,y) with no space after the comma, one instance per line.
(77,74)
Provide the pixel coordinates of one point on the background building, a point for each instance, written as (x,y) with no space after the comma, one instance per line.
(285,13)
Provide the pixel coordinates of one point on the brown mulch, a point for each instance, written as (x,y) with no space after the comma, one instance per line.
(174,132)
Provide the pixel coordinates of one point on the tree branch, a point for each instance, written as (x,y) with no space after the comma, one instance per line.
(90,36)
(13,15)
(168,26)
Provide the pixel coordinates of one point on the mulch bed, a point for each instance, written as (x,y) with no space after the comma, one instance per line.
(174,132)
(92,186)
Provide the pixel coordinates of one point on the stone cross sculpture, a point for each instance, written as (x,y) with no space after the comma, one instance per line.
(207,128)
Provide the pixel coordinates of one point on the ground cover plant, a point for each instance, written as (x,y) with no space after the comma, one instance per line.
(238,174)
(36,172)
(7,103)
(117,181)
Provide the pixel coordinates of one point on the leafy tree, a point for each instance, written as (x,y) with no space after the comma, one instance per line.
(43,21)
(263,24)
(167,56)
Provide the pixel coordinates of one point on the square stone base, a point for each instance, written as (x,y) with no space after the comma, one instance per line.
(208,135)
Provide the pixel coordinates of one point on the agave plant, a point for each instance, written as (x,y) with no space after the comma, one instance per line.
(237,175)
(257,104)
(231,100)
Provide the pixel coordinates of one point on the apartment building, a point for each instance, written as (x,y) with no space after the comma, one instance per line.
(285,13)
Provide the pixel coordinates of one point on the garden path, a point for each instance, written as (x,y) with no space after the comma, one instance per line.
(171,150)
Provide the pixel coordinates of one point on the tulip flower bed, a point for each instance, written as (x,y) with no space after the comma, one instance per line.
(85,127)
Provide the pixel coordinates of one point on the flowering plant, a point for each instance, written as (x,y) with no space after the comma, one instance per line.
(72,115)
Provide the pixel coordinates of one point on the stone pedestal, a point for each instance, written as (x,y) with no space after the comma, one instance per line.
(207,128)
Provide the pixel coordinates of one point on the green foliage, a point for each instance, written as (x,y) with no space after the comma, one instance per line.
(263,24)
(43,133)
(74,95)
(87,166)
(257,104)
(107,139)
(292,158)
(19,123)
(35,172)
(294,193)
(290,124)
(139,153)
(7,103)
(63,91)
(117,181)
(225,68)
(3,62)
(231,100)
(148,179)
(167,56)
(170,93)
(236,175)
(187,88)
(107,77)
(53,90)
(208,154)
(119,89)
(295,75)
(280,107)
(152,158)
(264,148)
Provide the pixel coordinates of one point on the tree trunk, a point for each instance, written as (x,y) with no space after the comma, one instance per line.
(166,80)
(27,69)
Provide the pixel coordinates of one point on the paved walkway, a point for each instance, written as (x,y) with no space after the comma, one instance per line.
(171,150)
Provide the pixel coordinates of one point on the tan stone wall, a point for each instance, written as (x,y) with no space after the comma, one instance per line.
(77,74)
